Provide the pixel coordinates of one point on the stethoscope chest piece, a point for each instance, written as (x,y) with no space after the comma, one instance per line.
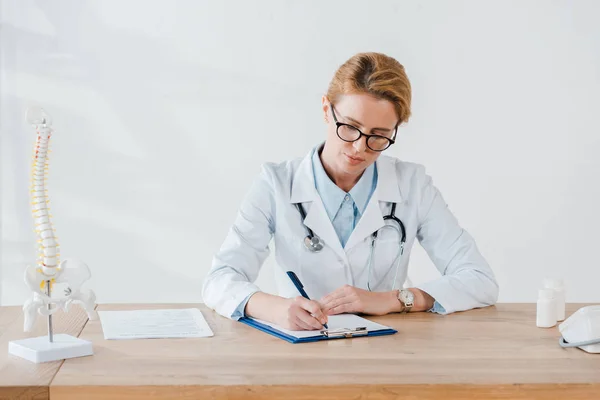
(313,243)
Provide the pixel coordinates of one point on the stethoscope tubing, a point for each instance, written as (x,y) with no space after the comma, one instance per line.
(390,216)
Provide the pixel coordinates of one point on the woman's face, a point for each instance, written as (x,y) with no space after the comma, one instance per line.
(366,113)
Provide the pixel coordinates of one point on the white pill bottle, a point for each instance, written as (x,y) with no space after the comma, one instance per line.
(546,309)
(559,295)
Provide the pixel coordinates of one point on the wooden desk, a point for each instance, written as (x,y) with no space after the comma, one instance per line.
(491,353)
(19,378)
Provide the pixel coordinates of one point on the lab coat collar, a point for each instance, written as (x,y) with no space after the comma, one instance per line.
(303,184)
(388,182)
(387,189)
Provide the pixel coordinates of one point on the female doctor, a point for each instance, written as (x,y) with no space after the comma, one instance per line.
(344,219)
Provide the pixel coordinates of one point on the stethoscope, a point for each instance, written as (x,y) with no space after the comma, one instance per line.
(314,244)
(563,343)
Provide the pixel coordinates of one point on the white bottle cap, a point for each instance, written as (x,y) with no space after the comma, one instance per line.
(553,283)
(546,294)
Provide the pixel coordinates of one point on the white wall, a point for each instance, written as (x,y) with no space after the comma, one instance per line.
(164,111)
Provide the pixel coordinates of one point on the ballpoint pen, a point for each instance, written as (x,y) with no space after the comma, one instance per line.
(300,288)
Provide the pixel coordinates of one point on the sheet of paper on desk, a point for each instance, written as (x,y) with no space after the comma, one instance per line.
(349,321)
(154,324)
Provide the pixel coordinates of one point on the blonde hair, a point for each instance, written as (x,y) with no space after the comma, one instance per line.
(376,74)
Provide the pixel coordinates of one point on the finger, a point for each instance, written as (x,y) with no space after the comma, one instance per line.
(302,326)
(343,308)
(333,301)
(336,302)
(346,304)
(314,309)
(291,324)
(334,295)
(309,320)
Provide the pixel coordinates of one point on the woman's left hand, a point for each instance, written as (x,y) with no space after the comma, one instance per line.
(349,299)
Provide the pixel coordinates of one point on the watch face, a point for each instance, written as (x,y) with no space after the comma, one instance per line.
(407,297)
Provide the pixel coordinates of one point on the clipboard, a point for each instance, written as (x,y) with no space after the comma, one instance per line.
(326,334)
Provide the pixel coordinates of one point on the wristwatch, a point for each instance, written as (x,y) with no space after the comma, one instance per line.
(407,299)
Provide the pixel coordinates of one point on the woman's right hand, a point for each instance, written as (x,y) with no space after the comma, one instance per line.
(300,314)
(297,314)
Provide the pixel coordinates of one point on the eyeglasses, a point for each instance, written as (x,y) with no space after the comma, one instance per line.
(349,133)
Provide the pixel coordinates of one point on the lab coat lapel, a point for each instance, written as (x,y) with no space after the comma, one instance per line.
(304,191)
(387,191)
(371,220)
(318,220)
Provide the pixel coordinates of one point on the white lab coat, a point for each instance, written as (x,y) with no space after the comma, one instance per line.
(268,212)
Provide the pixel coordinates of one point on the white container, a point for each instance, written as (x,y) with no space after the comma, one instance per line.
(546,309)
(559,295)
(583,325)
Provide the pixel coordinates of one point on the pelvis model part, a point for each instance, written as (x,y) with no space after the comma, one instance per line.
(71,272)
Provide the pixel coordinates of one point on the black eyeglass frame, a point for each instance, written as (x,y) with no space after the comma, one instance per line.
(361,134)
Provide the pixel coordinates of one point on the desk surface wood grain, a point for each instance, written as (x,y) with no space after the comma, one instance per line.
(22,379)
(495,352)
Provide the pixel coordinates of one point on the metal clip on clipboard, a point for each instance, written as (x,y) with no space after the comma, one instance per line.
(345,332)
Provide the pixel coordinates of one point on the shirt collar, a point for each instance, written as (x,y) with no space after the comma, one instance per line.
(332,196)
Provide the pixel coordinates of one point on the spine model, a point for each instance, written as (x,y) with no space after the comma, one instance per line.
(48,257)
(48,269)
